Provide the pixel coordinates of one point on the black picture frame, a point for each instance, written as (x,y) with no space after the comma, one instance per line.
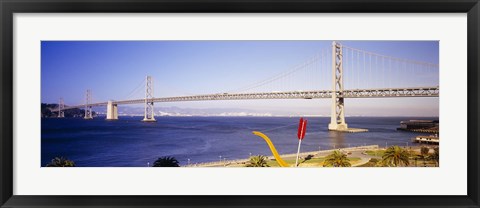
(9,7)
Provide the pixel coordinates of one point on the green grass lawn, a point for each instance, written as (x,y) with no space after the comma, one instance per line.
(378,153)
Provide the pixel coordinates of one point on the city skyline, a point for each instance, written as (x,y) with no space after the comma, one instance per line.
(114,69)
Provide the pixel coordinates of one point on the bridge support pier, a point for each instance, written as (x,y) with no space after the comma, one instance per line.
(149,112)
(88,108)
(88,112)
(337,121)
(112,111)
(61,106)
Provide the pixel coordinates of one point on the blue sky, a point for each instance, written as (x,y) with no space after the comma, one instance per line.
(114,69)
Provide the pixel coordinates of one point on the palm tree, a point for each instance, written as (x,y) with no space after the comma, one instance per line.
(166,162)
(61,162)
(395,156)
(337,159)
(257,161)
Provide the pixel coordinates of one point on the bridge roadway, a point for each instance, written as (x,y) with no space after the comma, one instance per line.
(316,94)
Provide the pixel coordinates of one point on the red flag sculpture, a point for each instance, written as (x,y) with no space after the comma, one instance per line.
(302,128)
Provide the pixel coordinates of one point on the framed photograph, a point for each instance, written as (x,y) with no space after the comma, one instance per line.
(245,104)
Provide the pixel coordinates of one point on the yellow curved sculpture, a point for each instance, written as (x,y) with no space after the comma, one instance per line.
(280,161)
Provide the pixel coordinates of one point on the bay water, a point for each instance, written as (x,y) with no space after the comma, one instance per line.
(128,142)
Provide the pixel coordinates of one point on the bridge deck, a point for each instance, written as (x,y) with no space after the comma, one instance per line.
(317,94)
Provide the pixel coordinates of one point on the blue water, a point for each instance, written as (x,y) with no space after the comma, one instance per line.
(129,142)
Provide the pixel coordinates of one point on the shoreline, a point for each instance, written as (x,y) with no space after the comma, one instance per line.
(284,156)
(356,150)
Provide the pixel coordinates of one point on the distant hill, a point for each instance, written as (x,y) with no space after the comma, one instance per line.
(75,112)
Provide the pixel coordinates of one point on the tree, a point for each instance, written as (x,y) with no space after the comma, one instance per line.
(257,161)
(436,155)
(395,156)
(61,162)
(337,159)
(166,162)
(424,151)
(373,162)
(424,155)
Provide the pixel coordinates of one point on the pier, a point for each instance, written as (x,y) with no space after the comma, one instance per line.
(422,126)
(427,139)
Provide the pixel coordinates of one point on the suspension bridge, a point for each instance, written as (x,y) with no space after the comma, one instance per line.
(368,75)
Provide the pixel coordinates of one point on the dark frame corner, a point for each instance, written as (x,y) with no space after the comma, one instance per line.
(9,7)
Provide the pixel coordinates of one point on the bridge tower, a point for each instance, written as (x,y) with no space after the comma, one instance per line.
(149,112)
(88,107)
(112,111)
(337,121)
(61,106)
